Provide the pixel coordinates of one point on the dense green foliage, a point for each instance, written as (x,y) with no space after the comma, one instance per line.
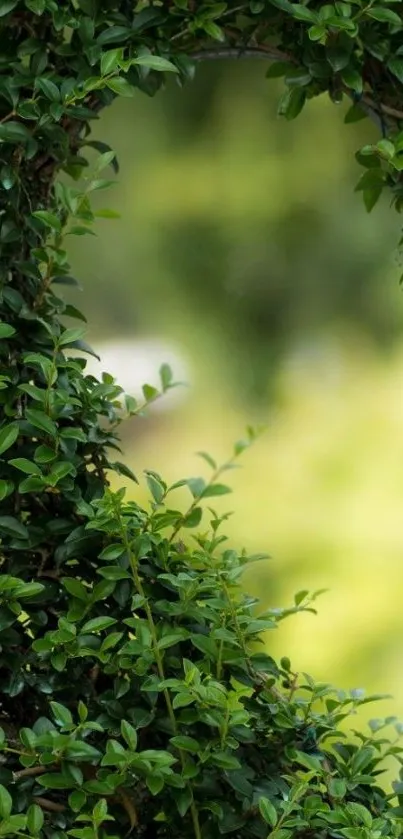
(134,697)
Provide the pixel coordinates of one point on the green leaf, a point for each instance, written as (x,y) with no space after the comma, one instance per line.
(34,483)
(181,700)
(172,638)
(183,800)
(120,86)
(114,34)
(386,149)
(54,780)
(6,331)
(309,761)
(291,103)
(112,552)
(193,518)
(14,132)
(12,527)
(216,489)
(129,734)
(98,624)
(155,62)
(68,336)
(112,572)
(7,6)
(77,800)
(214,31)
(150,393)
(110,60)
(301,12)
(155,784)
(25,466)
(28,590)
(6,802)
(284,5)
(49,89)
(48,219)
(58,661)
(79,750)
(185,743)
(8,436)
(337,787)
(75,588)
(61,714)
(156,489)
(166,376)
(36,6)
(197,486)
(352,78)
(207,457)
(268,812)
(41,420)
(124,470)
(395,65)
(316,33)
(225,760)
(384,16)
(6,488)
(110,641)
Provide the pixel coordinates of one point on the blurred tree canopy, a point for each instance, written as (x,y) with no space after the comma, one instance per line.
(248,228)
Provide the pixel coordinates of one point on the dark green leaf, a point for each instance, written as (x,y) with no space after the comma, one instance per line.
(41,420)
(120,86)
(98,624)
(384,15)
(129,734)
(7,6)
(268,811)
(10,526)
(61,714)
(6,331)
(185,743)
(14,132)
(8,436)
(6,802)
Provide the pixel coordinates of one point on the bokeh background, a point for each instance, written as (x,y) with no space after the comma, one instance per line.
(244,255)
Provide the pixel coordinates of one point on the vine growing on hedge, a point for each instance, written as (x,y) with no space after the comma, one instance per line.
(134,697)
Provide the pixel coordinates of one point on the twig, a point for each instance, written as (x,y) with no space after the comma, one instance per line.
(386,109)
(7,117)
(219,53)
(52,806)
(30,770)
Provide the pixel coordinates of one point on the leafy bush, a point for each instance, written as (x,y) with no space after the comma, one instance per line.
(135,697)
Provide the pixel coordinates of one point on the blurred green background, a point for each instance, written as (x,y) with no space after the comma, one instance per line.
(243,250)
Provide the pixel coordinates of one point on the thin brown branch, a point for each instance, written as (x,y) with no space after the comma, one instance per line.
(30,771)
(7,117)
(45,804)
(220,53)
(386,109)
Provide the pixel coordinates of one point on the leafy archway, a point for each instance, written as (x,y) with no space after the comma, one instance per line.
(133,698)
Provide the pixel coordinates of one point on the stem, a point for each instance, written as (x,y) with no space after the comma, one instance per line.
(219,660)
(45,804)
(7,117)
(30,771)
(268,53)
